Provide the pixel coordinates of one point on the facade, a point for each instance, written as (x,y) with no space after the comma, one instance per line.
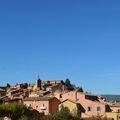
(17,93)
(48,105)
(53,82)
(40,93)
(22,85)
(56,87)
(113,115)
(37,85)
(115,108)
(72,106)
(2,92)
(90,103)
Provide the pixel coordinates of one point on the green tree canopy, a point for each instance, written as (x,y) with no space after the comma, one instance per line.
(8,85)
(69,85)
(13,110)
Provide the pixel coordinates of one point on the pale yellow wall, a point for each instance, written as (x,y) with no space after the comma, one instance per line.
(83,115)
(70,105)
(114,115)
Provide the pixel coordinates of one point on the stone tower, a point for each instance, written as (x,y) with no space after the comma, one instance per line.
(38,84)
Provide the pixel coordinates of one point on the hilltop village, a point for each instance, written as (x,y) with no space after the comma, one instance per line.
(47,96)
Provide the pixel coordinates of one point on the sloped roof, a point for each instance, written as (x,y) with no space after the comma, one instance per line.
(38,98)
(2,90)
(69,100)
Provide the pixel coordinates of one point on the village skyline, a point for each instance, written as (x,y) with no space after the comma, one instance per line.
(61,39)
(74,86)
(50,98)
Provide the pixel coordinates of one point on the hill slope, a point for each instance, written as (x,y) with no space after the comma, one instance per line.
(111,97)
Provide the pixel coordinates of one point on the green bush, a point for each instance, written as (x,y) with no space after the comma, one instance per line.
(13,110)
(63,114)
(23,117)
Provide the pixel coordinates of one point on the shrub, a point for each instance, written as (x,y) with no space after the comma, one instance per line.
(13,110)
(23,117)
(63,114)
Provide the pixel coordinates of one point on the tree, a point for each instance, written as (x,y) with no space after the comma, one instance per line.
(69,85)
(8,85)
(13,110)
(63,114)
(23,117)
(80,89)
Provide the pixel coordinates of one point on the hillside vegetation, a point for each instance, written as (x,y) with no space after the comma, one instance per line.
(18,111)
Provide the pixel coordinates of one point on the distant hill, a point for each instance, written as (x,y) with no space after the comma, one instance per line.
(111,97)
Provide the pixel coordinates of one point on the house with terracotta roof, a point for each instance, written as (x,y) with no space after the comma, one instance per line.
(46,105)
(2,92)
(115,107)
(53,82)
(90,103)
(17,93)
(74,108)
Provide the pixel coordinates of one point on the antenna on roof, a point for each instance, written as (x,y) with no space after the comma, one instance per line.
(38,77)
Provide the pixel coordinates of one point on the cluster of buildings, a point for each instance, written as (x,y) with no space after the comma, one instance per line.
(49,95)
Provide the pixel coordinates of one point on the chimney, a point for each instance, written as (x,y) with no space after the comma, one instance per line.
(75,95)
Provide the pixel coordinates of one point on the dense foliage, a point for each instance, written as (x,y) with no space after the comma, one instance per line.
(13,110)
(69,85)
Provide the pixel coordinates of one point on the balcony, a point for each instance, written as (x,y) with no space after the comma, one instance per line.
(43,108)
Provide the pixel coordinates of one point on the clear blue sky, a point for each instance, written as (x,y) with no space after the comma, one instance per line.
(59,39)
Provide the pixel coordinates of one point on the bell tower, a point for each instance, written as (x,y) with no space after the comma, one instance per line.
(38,83)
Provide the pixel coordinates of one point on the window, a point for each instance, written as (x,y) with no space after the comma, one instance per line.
(98,109)
(89,109)
(28,105)
(60,96)
(118,110)
(43,105)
